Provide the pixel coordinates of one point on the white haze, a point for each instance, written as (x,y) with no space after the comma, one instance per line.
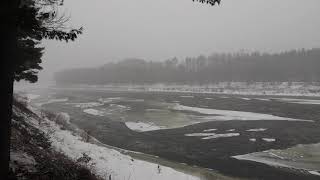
(161,29)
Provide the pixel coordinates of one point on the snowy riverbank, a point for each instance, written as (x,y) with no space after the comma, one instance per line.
(104,162)
(237,88)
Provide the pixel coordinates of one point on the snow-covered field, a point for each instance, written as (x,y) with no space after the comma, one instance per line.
(105,162)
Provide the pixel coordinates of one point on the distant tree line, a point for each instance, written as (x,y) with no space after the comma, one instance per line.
(291,66)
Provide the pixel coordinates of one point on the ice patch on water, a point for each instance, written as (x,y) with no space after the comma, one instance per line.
(212,135)
(275,155)
(86,105)
(109,100)
(57,100)
(209,130)
(315,173)
(187,96)
(256,130)
(222,135)
(300,101)
(247,99)
(230,130)
(119,107)
(94,112)
(114,98)
(103,100)
(32,96)
(142,127)
(262,99)
(224,115)
(117,99)
(269,139)
(306,157)
(134,100)
(156,110)
(53,101)
(200,134)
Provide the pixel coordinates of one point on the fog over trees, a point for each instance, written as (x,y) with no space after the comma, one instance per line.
(291,66)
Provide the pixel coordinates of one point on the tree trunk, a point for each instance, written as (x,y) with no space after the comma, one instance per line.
(8,30)
(5,114)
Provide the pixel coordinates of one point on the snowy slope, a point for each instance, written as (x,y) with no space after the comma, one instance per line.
(105,162)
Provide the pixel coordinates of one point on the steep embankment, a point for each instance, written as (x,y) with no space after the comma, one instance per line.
(33,156)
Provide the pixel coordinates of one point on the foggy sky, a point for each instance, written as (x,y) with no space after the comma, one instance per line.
(161,29)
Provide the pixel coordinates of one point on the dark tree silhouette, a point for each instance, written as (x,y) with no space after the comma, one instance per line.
(291,66)
(24,23)
(211,2)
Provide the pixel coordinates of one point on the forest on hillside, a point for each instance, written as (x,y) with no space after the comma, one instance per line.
(290,66)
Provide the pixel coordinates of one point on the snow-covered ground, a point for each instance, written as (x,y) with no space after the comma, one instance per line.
(306,157)
(224,115)
(104,162)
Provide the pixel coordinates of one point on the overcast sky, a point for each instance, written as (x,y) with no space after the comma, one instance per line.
(161,29)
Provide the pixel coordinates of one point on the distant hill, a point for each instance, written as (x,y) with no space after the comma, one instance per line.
(291,66)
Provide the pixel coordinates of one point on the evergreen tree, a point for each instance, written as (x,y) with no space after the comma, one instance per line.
(24,23)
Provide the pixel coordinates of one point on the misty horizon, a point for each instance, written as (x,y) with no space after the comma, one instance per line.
(159,30)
